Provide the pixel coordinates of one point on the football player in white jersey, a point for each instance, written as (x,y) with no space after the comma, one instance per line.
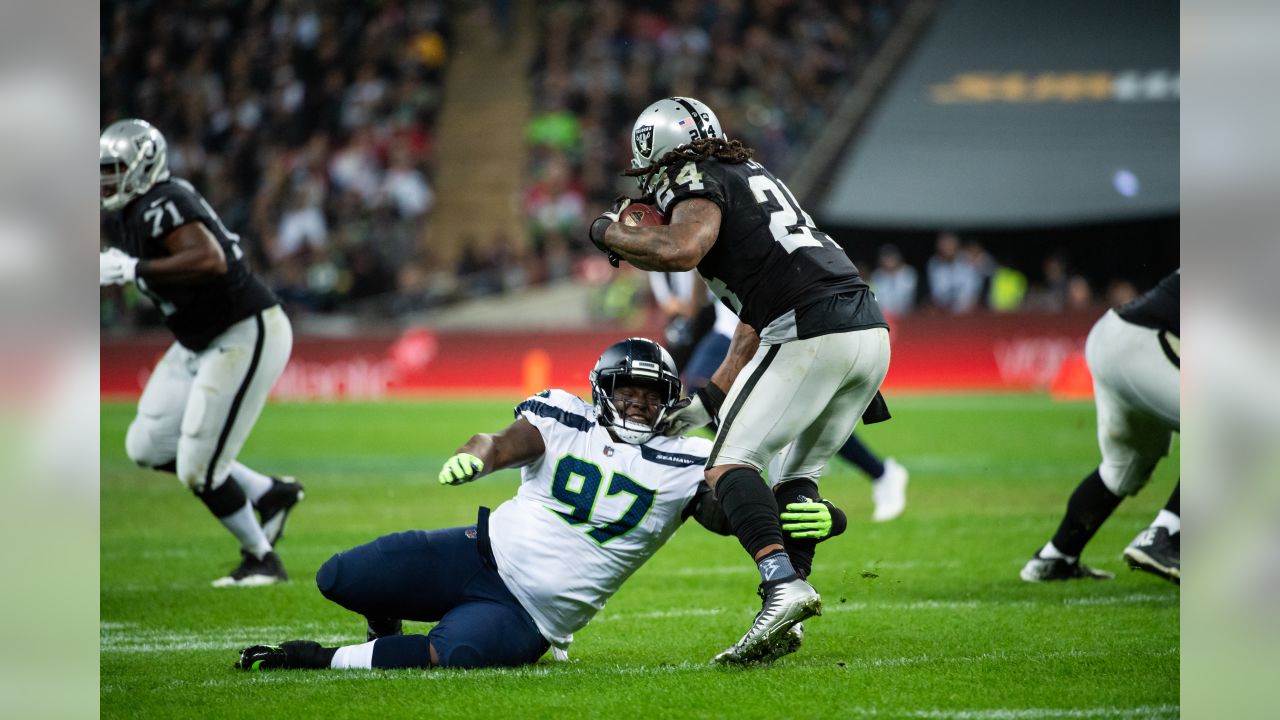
(601,490)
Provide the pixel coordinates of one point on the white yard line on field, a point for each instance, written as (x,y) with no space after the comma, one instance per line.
(1142,711)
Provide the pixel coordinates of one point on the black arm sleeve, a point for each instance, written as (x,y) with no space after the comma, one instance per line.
(706,510)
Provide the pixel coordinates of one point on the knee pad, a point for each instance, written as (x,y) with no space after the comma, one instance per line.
(327,577)
(141,447)
(1126,479)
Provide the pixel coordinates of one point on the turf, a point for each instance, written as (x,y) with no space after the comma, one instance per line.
(925,616)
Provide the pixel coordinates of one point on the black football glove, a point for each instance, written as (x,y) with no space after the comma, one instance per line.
(602,223)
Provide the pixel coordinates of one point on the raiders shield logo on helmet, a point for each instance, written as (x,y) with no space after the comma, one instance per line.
(644,140)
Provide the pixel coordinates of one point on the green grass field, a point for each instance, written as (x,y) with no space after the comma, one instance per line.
(925,616)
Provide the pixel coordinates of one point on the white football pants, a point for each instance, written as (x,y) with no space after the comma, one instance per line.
(1135,387)
(806,395)
(198,407)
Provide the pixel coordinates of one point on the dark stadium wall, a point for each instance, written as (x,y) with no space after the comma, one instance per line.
(1021,113)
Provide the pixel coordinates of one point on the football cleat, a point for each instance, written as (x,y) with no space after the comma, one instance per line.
(790,642)
(383,628)
(1040,569)
(889,492)
(785,604)
(292,655)
(1157,552)
(274,506)
(253,572)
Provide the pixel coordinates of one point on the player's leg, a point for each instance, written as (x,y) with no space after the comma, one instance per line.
(888,478)
(1158,548)
(805,460)
(765,412)
(427,576)
(417,575)
(152,438)
(1132,439)
(232,383)
(273,497)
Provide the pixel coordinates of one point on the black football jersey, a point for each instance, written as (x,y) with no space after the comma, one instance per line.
(1157,308)
(195,311)
(770,264)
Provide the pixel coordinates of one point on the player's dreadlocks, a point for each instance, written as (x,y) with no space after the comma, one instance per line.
(728,151)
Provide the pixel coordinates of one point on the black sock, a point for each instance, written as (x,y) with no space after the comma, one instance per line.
(1174,503)
(223,500)
(753,513)
(1090,506)
(860,455)
(801,550)
(402,651)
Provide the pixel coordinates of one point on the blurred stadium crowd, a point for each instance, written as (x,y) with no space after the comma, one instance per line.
(309,125)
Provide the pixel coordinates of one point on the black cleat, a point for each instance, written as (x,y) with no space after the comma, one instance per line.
(1157,552)
(1040,569)
(383,628)
(274,506)
(292,655)
(253,572)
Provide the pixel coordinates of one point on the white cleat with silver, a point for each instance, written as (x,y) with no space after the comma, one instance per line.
(889,492)
(785,605)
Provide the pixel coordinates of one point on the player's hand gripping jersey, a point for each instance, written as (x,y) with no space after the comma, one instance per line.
(770,264)
(196,312)
(588,513)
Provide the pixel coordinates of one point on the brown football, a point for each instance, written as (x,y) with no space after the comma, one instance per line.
(642,215)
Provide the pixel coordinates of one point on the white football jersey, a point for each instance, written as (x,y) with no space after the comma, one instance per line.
(589,512)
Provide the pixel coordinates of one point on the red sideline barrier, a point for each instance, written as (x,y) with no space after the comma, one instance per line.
(976,352)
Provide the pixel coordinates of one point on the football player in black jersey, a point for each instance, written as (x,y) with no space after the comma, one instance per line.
(232,342)
(809,353)
(1133,353)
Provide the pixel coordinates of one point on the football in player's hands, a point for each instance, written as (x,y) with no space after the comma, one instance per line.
(641,215)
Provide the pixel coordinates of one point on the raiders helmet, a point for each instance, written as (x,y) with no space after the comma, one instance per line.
(639,361)
(666,125)
(131,158)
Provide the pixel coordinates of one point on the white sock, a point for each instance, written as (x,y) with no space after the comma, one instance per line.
(1051,552)
(244,525)
(354,657)
(1168,521)
(254,483)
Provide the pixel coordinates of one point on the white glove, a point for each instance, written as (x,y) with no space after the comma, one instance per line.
(693,415)
(116,267)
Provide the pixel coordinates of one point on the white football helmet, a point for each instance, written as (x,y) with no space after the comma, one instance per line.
(132,157)
(666,125)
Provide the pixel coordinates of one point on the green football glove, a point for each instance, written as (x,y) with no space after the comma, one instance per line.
(461,468)
(807,520)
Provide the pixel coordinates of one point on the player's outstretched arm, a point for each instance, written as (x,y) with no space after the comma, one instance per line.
(679,246)
(519,444)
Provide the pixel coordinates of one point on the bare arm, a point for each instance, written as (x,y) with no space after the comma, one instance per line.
(741,349)
(193,254)
(519,444)
(695,225)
